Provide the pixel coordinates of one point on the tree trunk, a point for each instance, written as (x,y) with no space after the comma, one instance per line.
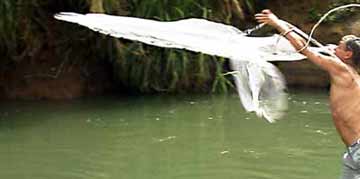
(96,6)
(238,9)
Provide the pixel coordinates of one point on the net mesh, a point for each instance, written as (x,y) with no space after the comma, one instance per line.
(260,84)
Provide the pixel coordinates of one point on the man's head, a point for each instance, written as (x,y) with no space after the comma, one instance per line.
(348,49)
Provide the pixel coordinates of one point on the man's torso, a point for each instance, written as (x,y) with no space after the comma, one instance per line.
(345,107)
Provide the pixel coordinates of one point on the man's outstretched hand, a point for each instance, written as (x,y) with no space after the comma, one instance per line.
(267,17)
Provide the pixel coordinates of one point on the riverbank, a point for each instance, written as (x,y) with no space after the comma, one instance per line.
(56,60)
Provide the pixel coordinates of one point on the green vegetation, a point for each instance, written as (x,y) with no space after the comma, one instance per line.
(8,35)
(169,70)
(315,13)
(29,32)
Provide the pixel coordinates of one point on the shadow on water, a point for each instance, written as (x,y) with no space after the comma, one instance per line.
(167,137)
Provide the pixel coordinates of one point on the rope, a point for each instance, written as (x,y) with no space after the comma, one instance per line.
(322,19)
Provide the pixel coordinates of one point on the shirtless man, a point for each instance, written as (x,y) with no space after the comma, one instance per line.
(345,87)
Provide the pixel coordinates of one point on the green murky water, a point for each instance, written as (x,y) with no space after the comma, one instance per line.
(163,137)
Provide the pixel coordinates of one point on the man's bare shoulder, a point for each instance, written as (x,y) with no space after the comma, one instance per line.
(331,64)
(347,78)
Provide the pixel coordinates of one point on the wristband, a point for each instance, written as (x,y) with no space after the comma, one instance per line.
(287,31)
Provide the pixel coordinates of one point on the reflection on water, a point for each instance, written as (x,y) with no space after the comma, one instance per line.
(166,137)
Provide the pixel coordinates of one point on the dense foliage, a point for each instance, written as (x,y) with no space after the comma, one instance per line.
(28,31)
(338,16)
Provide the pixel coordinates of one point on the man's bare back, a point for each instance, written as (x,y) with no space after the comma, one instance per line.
(345,105)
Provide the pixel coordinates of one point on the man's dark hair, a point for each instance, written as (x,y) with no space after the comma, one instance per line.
(352,43)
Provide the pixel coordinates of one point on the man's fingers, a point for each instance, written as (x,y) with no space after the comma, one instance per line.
(266,11)
(260,15)
(262,22)
(265,17)
(262,18)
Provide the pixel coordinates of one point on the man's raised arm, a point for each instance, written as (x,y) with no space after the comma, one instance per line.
(331,64)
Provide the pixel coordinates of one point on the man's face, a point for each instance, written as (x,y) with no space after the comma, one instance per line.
(342,52)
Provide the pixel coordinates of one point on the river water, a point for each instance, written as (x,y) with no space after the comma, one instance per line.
(163,137)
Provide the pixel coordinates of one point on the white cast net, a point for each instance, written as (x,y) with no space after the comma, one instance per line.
(260,85)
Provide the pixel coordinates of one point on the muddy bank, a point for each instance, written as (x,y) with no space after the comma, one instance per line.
(57,81)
